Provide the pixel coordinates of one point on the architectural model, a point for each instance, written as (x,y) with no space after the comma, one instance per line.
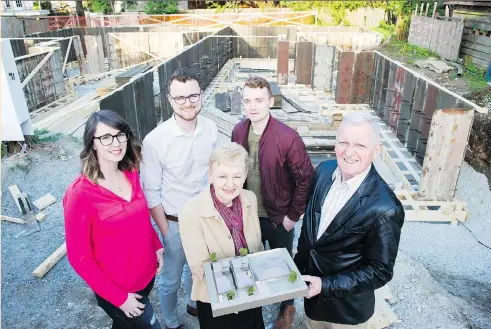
(244,282)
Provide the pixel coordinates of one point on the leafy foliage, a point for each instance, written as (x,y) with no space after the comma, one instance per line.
(250,290)
(243,251)
(161,7)
(230,294)
(233,6)
(292,277)
(104,7)
(213,257)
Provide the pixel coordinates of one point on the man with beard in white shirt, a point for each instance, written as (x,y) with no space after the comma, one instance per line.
(173,170)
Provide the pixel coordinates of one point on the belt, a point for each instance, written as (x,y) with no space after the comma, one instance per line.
(172,218)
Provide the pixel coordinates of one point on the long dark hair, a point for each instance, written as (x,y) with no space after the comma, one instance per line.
(90,163)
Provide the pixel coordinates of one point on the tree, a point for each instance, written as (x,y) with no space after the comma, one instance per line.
(104,7)
(79,9)
(161,7)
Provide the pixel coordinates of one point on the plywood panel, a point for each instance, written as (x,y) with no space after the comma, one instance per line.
(449,133)
(282,67)
(345,77)
(416,115)
(323,67)
(406,107)
(395,111)
(303,62)
(362,73)
(424,128)
(389,94)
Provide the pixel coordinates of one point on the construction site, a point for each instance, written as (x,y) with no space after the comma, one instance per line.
(53,81)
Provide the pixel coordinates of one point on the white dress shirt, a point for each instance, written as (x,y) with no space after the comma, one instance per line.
(175,164)
(337,197)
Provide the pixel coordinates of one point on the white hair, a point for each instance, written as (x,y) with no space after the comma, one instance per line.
(359,118)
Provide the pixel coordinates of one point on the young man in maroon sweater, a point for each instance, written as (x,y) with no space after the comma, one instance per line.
(279,174)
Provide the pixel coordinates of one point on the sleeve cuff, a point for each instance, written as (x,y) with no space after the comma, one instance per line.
(293,215)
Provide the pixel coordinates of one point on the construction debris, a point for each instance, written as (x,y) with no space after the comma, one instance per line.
(45,201)
(13,220)
(51,261)
(434,65)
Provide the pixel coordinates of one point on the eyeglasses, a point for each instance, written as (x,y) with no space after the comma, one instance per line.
(108,139)
(180,100)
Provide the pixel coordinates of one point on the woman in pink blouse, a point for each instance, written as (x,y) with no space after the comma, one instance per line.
(111,242)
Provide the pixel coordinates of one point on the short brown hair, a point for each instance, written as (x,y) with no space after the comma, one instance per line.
(258,82)
(90,163)
(184,74)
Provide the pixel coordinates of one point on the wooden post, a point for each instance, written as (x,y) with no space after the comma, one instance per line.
(416,11)
(427,8)
(421,10)
(434,9)
(447,142)
(447,11)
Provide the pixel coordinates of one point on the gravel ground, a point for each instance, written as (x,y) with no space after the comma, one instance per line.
(441,279)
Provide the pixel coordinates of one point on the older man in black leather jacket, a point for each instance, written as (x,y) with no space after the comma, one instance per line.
(350,232)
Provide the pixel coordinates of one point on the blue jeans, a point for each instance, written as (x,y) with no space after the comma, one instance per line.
(175,266)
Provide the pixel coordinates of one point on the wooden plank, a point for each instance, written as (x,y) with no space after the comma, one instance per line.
(303,62)
(282,63)
(41,216)
(45,201)
(13,220)
(345,77)
(15,192)
(450,129)
(479,39)
(481,25)
(51,261)
(477,54)
(66,55)
(476,46)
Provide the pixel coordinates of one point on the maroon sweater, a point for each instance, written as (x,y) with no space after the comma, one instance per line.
(285,168)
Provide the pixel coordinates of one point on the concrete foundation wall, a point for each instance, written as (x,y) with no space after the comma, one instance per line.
(48,84)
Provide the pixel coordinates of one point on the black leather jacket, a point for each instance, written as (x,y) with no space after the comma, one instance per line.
(356,254)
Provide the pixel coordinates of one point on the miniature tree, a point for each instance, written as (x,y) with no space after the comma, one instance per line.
(243,251)
(292,277)
(250,290)
(230,294)
(213,257)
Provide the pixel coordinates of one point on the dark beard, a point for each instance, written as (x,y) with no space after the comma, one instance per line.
(187,119)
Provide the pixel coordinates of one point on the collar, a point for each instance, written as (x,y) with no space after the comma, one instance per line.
(177,130)
(206,206)
(354,182)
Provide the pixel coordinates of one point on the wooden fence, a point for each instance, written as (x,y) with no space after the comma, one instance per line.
(476,42)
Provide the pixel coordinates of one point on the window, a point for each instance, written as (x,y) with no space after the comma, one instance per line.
(18,4)
(7,4)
